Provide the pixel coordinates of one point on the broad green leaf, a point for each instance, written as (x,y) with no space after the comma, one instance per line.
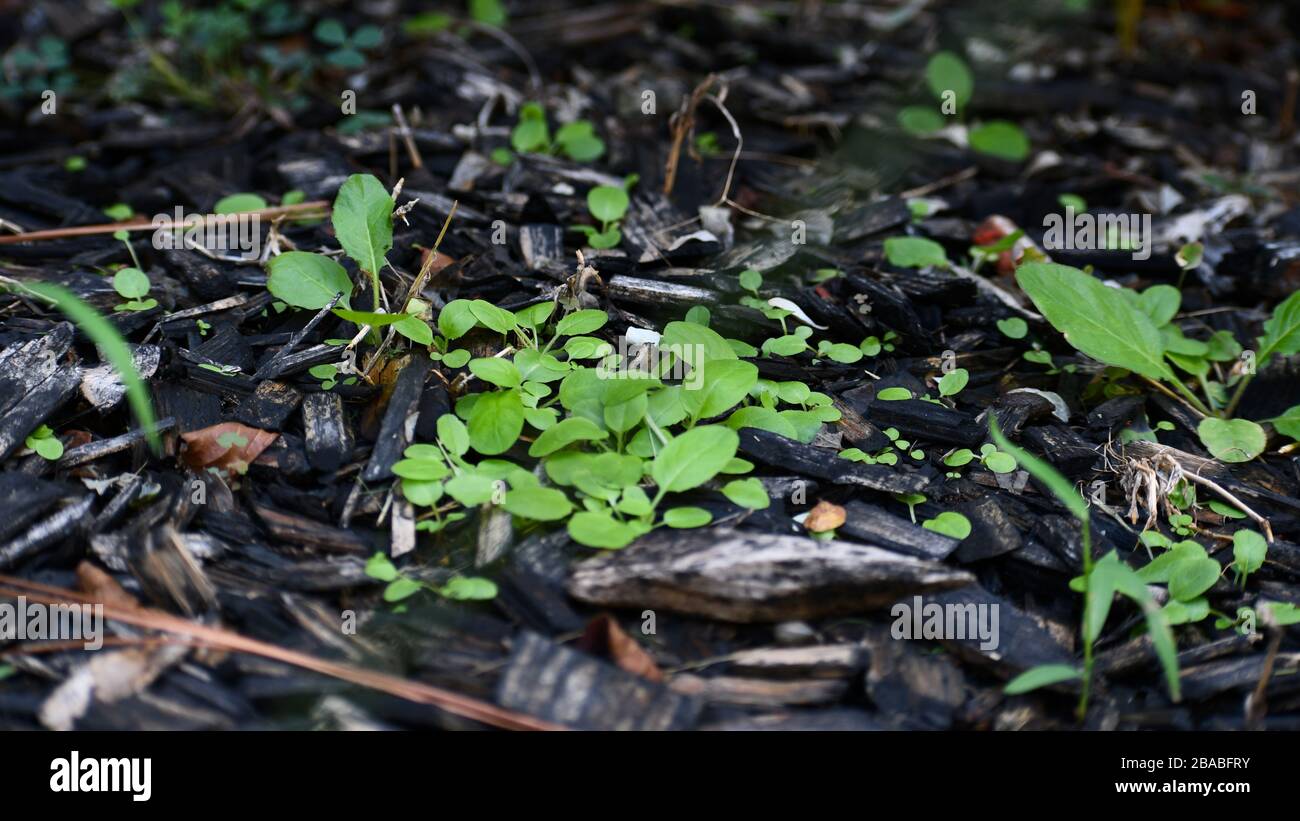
(949,523)
(1160,569)
(471,489)
(468,588)
(694,457)
(915,252)
(602,530)
(130,283)
(581,393)
(535,315)
(456,319)
(414,329)
(1248,551)
(607,203)
(401,588)
(543,504)
(424,494)
(363,221)
(374,320)
(1043,675)
(1281,331)
(894,394)
(1189,612)
(381,567)
(691,340)
(562,434)
(952,383)
(806,424)
(425,470)
(1098,320)
(686,517)
(1288,424)
(748,493)
(767,419)
(1192,576)
(1001,139)
(920,120)
(488,12)
(840,352)
(1000,462)
(499,372)
(237,203)
(306,280)
(1013,327)
(726,382)
(1232,440)
(489,315)
(621,417)
(1160,303)
(453,435)
(581,322)
(496,422)
(944,72)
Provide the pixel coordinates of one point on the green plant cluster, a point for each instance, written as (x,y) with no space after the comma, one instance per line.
(1135,332)
(952,84)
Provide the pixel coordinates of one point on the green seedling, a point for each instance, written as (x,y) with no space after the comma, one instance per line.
(911,500)
(872,345)
(401,586)
(915,252)
(576,140)
(132,285)
(1101,580)
(45,443)
(952,84)
(949,523)
(1135,332)
(613,446)
(347,52)
(608,205)
(31,71)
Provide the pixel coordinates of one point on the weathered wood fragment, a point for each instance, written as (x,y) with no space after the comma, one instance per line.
(774,449)
(398,426)
(67,522)
(325,428)
(551,681)
(757,692)
(746,577)
(816,662)
(877,526)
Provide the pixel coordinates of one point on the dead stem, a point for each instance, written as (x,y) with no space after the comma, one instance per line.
(231,641)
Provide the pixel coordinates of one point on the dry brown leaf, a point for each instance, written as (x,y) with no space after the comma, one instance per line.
(229,447)
(825,516)
(604,637)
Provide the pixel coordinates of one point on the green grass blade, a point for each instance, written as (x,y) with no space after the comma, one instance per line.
(1043,472)
(111,345)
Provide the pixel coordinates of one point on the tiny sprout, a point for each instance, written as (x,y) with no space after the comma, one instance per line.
(45,443)
(911,500)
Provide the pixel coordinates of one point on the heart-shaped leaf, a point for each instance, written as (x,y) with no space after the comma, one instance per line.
(1232,440)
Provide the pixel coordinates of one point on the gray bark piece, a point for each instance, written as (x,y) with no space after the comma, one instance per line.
(749,577)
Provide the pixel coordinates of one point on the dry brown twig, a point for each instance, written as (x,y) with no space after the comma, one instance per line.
(228,640)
